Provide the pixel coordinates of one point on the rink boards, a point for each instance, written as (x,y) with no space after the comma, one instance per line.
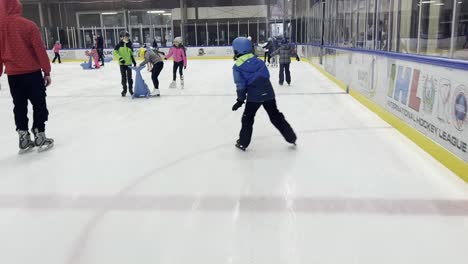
(192,52)
(428,98)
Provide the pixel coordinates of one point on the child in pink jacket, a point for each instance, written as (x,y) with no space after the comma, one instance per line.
(57,48)
(94,53)
(180,60)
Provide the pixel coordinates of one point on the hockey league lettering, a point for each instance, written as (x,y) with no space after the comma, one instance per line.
(435,104)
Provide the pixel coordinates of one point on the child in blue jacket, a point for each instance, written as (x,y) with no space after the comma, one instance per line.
(253,84)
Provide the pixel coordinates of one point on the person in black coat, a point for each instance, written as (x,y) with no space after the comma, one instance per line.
(100,48)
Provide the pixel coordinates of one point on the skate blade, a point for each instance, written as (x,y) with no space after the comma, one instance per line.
(45,148)
(241,148)
(24,151)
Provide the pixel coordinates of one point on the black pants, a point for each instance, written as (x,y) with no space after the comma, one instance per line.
(276,118)
(30,87)
(126,74)
(157,68)
(57,56)
(284,67)
(179,65)
(101,55)
(267,55)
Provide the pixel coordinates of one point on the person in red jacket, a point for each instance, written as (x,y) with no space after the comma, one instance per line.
(28,68)
(57,48)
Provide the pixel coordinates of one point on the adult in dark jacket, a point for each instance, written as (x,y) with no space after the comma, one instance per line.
(253,84)
(285,52)
(100,48)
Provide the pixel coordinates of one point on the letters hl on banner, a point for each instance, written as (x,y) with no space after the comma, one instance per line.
(433,102)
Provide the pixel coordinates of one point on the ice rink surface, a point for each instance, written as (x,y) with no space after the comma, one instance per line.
(159,181)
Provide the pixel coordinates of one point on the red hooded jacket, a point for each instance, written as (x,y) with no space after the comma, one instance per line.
(21,47)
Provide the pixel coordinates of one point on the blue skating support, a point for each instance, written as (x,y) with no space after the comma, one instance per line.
(107,59)
(141,88)
(87,65)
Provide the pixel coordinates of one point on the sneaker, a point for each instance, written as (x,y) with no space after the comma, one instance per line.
(41,141)
(25,142)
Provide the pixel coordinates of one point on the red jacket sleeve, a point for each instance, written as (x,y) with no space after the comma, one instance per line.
(40,51)
(1,64)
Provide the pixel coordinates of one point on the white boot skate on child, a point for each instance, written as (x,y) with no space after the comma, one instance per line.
(173,84)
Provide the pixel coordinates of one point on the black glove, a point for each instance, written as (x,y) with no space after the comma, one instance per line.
(237,105)
(134,64)
(122,61)
(185,67)
(165,58)
(298,59)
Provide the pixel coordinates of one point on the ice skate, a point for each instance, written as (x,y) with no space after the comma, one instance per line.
(239,146)
(173,84)
(25,142)
(130,91)
(181,82)
(155,93)
(42,142)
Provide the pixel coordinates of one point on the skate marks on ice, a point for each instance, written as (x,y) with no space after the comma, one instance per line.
(104,205)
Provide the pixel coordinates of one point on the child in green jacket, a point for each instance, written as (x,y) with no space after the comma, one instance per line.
(123,52)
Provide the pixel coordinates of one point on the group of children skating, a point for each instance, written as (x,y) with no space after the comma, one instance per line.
(29,75)
(154,58)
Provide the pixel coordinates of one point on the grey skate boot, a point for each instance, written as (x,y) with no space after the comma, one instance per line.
(42,142)
(25,142)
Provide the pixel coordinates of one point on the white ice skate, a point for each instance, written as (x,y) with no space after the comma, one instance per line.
(173,85)
(181,82)
(155,93)
(42,142)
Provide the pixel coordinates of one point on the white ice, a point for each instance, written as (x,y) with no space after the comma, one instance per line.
(159,180)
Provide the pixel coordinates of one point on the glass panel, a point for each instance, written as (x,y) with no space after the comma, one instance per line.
(362,23)
(201,35)
(90,20)
(436,27)
(383,29)
(136,35)
(212,35)
(263,33)
(113,20)
(243,30)
(406,16)
(461,31)
(223,34)
(190,36)
(253,31)
(371,27)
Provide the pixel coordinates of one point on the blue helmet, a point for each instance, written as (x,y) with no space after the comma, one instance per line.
(242,45)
